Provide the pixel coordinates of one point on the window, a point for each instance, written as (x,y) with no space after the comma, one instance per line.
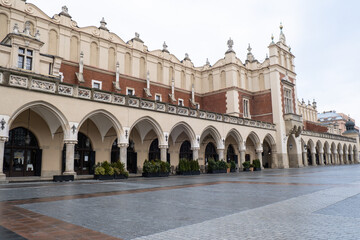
(246,108)
(25,59)
(96,84)
(130,91)
(181,102)
(288,100)
(158,97)
(197,106)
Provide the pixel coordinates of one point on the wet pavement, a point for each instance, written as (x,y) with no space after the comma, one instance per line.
(307,203)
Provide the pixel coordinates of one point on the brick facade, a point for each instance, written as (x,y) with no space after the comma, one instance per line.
(311,126)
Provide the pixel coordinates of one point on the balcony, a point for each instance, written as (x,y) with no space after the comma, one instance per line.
(293,124)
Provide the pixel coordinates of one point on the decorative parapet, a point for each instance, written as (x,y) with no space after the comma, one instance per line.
(328,136)
(63,89)
(293,124)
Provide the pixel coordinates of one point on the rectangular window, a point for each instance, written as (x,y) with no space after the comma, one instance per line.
(158,97)
(246,108)
(197,106)
(130,91)
(181,102)
(96,84)
(25,59)
(288,101)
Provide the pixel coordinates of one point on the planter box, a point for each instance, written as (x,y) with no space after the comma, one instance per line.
(120,176)
(219,171)
(189,173)
(257,169)
(104,177)
(155,174)
(232,170)
(246,170)
(63,178)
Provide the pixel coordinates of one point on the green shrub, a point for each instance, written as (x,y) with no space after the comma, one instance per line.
(188,165)
(99,170)
(194,166)
(232,165)
(119,168)
(246,164)
(222,165)
(116,171)
(147,167)
(212,165)
(164,167)
(110,171)
(256,163)
(156,166)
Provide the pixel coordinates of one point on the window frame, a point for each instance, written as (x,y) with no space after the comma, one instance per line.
(130,89)
(27,54)
(246,108)
(288,100)
(158,95)
(93,82)
(182,102)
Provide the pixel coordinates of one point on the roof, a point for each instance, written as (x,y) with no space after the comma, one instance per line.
(329,116)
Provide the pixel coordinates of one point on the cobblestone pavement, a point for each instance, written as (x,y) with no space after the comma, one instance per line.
(306,203)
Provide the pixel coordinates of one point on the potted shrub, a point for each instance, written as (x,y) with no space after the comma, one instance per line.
(217,166)
(257,165)
(156,168)
(188,167)
(104,171)
(232,166)
(119,170)
(246,166)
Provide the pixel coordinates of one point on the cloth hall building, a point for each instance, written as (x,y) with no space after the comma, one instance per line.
(73,96)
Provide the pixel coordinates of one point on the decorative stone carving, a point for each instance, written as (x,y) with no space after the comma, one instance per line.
(160,107)
(103,25)
(148,105)
(133,102)
(147,89)
(171,109)
(102,97)
(18,81)
(210,116)
(172,95)
(44,86)
(1,78)
(187,57)
(37,35)
(6,2)
(183,111)
(165,48)
(226,119)
(65,90)
(117,77)
(65,12)
(119,100)
(16,28)
(84,93)
(80,75)
(202,114)
(219,117)
(193,113)
(2,122)
(29,9)
(230,44)
(233,120)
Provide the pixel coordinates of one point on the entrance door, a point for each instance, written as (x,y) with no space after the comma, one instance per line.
(22,156)
(131,158)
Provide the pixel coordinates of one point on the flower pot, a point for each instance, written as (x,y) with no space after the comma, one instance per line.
(228,170)
(251,169)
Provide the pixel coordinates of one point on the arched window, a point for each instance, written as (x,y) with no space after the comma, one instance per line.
(154,150)
(94,54)
(183,80)
(22,156)
(5,26)
(142,73)
(185,151)
(159,73)
(31,27)
(210,152)
(171,74)
(74,49)
(53,42)
(211,83)
(111,60)
(223,79)
(127,64)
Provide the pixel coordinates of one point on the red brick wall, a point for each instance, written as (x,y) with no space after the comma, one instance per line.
(259,104)
(311,126)
(214,102)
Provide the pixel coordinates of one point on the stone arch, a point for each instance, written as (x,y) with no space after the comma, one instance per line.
(310,152)
(53,42)
(180,127)
(351,154)
(319,153)
(236,135)
(111,59)
(94,54)
(4,21)
(104,121)
(292,150)
(255,138)
(269,152)
(145,125)
(52,116)
(340,153)
(74,48)
(214,133)
(252,145)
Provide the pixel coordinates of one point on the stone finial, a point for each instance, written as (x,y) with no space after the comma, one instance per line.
(267,56)
(230,44)
(187,57)
(282,38)
(165,47)
(314,103)
(250,56)
(65,11)
(27,29)
(16,28)
(103,25)
(207,62)
(249,48)
(137,35)
(302,102)
(272,38)
(37,35)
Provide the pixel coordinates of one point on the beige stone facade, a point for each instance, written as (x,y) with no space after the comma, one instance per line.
(84,95)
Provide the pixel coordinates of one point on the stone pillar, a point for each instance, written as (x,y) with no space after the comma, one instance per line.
(195,153)
(346,158)
(163,153)
(356,157)
(123,153)
(242,158)
(328,158)
(69,163)
(321,158)
(336,159)
(259,156)
(221,154)
(305,158)
(313,156)
(274,159)
(2,152)
(341,158)
(352,158)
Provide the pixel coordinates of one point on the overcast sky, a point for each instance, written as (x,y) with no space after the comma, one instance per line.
(324,35)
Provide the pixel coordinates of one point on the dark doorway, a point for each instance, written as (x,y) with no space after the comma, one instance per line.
(185,151)
(230,155)
(22,156)
(154,150)
(210,152)
(309,157)
(247,157)
(115,152)
(131,158)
